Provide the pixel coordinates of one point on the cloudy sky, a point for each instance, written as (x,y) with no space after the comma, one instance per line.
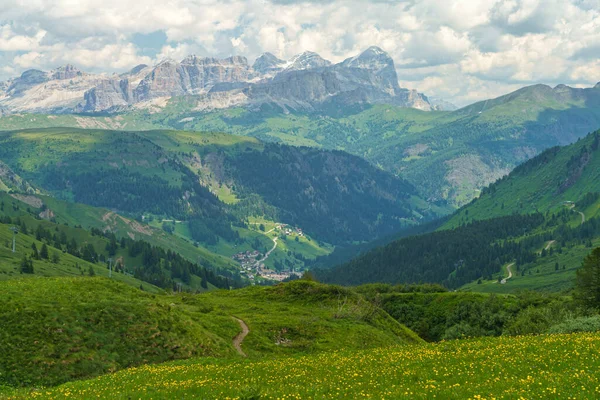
(459,50)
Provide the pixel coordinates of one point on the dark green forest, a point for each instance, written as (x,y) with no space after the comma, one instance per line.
(465,254)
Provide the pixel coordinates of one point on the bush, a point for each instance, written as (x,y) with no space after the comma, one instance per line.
(582,324)
(531,321)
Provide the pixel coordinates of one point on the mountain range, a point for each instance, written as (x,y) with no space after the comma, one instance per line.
(307,82)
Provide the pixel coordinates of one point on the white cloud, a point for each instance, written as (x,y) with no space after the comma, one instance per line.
(461,50)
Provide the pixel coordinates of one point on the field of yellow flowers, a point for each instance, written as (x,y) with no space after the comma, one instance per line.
(527,367)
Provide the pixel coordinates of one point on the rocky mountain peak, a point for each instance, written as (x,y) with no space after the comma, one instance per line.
(212,61)
(306,82)
(268,63)
(373,58)
(307,60)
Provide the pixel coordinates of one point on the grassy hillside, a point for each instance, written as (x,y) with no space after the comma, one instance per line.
(560,187)
(554,366)
(498,255)
(96,239)
(56,330)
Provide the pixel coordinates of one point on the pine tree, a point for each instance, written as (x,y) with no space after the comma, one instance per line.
(587,288)
(35,254)
(26,265)
(44,252)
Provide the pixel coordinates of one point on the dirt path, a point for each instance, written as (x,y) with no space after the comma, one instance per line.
(503,281)
(239,338)
(550,243)
(582,217)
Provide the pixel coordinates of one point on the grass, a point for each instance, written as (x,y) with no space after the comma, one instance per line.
(57,330)
(533,367)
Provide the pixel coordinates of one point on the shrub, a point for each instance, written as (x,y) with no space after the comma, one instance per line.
(582,324)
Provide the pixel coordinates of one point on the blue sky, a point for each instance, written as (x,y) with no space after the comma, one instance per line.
(459,50)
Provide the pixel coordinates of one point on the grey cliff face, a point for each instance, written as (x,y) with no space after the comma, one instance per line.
(111,94)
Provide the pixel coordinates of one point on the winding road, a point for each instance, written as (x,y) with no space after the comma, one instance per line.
(503,281)
(239,338)
(268,253)
(582,217)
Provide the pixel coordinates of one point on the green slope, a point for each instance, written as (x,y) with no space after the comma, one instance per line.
(541,220)
(88,217)
(55,330)
(147,257)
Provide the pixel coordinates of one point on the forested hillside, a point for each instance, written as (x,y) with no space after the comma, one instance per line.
(184,176)
(537,249)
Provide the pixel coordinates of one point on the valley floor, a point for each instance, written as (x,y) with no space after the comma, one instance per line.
(547,366)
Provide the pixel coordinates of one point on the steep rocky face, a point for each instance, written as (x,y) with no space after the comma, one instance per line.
(166,79)
(298,90)
(200,74)
(379,68)
(110,94)
(309,82)
(60,90)
(194,75)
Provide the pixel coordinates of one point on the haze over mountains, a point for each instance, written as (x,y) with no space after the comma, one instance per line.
(307,82)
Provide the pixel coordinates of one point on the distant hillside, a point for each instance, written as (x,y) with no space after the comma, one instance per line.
(559,176)
(138,255)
